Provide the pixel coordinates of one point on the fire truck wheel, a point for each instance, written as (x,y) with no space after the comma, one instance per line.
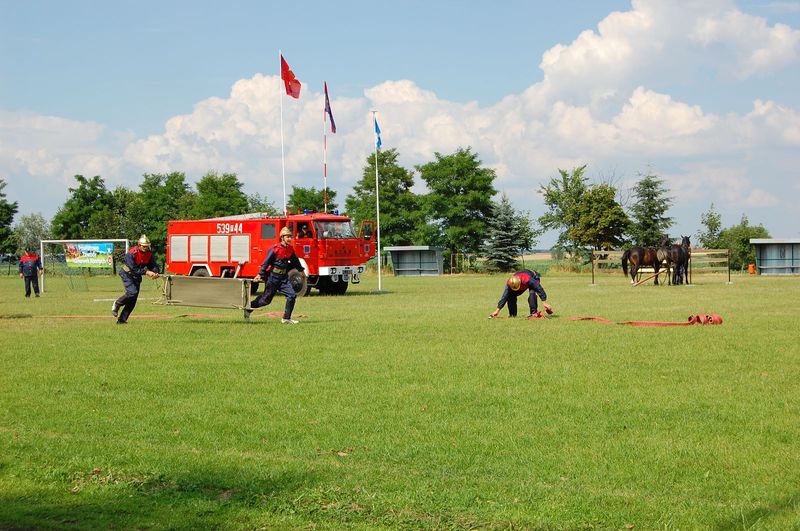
(200,272)
(323,285)
(339,288)
(254,288)
(328,287)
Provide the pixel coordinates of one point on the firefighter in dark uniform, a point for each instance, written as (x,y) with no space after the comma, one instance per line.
(281,259)
(139,261)
(515,286)
(30,267)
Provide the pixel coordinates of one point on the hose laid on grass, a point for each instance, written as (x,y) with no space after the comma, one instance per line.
(696,319)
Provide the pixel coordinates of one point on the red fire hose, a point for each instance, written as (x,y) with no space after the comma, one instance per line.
(697,319)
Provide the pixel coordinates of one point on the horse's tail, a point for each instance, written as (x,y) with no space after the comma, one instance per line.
(625,256)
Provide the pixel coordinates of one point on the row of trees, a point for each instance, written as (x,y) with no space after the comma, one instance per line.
(591,216)
(458,211)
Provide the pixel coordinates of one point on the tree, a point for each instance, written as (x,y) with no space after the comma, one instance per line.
(85,214)
(460,198)
(562,195)
(7,212)
(257,203)
(219,195)
(737,239)
(310,199)
(160,199)
(121,223)
(649,212)
(508,236)
(30,230)
(401,218)
(601,221)
(712,221)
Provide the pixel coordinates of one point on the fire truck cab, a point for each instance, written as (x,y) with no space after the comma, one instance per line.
(329,248)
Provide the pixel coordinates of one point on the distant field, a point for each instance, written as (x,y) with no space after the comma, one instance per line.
(407,409)
(537,257)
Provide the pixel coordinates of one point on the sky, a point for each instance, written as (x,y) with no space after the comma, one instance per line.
(704,94)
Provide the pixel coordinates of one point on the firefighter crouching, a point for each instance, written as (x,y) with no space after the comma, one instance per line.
(139,261)
(515,286)
(275,272)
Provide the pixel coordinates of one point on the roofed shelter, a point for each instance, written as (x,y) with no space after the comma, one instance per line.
(416,260)
(775,256)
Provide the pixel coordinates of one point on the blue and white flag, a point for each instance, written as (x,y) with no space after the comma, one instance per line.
(377,134)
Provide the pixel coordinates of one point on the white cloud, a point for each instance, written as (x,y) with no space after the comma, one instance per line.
(718,182)
(604,100)
(760,199)
(757,48)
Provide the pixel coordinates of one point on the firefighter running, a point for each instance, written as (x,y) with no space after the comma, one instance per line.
(275,273)
(139,261)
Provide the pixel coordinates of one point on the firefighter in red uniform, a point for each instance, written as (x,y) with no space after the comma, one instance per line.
(139,261)
(275,270)
(30,267)
(515,286)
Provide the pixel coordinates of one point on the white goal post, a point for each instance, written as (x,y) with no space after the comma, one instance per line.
(42,242)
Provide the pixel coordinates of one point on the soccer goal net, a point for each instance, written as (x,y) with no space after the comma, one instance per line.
(75,262)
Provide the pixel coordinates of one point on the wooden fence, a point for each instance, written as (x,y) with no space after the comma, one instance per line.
(700,261)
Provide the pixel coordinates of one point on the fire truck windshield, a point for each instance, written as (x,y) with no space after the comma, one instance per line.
(334,229)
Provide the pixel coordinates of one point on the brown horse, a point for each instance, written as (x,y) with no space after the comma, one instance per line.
(676,257)
(640,257)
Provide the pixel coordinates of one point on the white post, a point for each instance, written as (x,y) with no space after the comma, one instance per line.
(283,165)
(41,257)
(377,199)
(324,156)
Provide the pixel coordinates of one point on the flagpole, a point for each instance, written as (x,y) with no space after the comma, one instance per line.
(377,201)
(283,164)
(324,154)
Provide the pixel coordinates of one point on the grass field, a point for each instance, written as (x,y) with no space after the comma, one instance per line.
(407,409)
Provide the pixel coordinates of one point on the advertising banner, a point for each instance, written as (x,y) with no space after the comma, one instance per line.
(89,254)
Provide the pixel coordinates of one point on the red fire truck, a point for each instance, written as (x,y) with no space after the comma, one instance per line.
(331,252)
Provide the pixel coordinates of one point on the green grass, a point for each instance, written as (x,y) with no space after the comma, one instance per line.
(406,409)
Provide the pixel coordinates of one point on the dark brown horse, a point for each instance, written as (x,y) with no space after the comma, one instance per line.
(676,257)
(640,257)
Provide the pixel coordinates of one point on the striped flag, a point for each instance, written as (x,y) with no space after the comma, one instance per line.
(378,142)
(328,109)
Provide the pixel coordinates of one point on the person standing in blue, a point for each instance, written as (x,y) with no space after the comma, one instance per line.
(30,267)
(515,286)
(281,259)
(139,261)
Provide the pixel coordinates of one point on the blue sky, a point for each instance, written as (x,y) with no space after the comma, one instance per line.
(703,94)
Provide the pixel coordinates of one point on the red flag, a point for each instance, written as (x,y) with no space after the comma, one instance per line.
(291,82)
(328,109)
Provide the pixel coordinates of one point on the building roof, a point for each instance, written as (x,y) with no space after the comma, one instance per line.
(765,241)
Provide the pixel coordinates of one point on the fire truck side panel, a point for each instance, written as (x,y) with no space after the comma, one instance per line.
(219,247)
(238,245)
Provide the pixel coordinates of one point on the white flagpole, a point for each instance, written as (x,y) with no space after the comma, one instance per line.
(324,155)
(377,201)
(283,164)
